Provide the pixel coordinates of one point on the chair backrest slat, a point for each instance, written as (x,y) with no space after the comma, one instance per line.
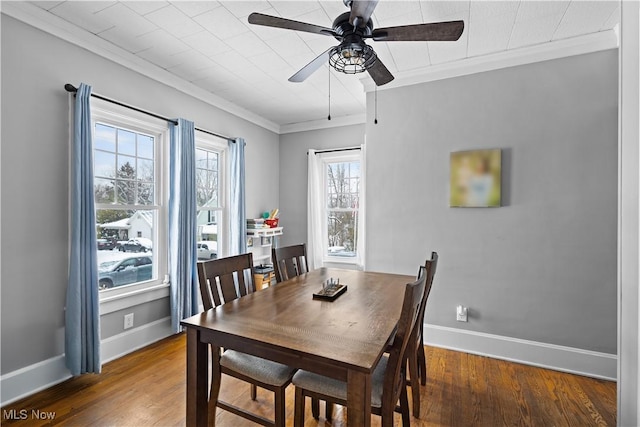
(228,287)
(223,279)
(289,261)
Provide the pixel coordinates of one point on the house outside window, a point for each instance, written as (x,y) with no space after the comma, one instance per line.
(211,196)
(131,214)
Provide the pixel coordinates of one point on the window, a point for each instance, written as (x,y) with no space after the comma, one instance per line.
(211,196)
(342,216)
(130,204)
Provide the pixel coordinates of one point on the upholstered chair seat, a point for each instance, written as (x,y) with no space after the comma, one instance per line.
(259,369)
(336,388)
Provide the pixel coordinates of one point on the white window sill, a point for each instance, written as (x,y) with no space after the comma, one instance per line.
(341,260)
(121,301)
(345,263)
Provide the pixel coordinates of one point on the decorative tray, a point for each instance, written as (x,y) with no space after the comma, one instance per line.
(330,291)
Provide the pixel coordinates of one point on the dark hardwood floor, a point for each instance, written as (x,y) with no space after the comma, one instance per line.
(147,388)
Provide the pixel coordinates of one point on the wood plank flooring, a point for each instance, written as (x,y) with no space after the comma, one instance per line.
(147,388)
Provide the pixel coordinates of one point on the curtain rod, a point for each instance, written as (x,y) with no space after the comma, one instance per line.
(335,149)
(72,89)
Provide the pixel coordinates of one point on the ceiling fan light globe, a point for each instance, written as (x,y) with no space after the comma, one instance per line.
(352,58)
(347,53)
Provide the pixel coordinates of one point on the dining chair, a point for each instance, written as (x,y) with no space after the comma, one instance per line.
(416,358)
(223,280)
(388,381)
(289,261)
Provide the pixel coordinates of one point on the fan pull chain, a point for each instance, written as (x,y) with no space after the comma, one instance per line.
(375,119)
(329,116)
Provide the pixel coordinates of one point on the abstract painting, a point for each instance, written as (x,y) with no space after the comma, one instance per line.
(475,178)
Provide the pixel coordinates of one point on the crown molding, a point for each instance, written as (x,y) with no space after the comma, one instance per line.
(354,119)
(45,21)
(589,43)
(49,23)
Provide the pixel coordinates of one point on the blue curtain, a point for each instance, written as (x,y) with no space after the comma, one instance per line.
(182,223)
(82,314)
(237,208)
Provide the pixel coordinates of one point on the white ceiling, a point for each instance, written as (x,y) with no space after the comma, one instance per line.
(211,45)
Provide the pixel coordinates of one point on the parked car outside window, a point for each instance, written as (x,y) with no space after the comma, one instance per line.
(207,250)
(139,244)
(106,244)
(125,271)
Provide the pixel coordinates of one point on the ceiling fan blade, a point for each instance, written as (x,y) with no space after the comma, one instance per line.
(288,24)
(438,31)
(361,11)
(311,67)
(379,73)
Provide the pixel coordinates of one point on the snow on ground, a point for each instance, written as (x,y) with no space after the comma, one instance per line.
(116,255)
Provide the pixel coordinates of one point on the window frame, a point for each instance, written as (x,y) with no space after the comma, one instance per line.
(220,146)
(343,157)
(120,117)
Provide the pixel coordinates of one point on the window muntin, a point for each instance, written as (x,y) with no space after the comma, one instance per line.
(207,178)
(342,205)
(124,166)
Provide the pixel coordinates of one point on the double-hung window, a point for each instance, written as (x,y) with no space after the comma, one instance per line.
(131,215)
(211,196)
(343,187)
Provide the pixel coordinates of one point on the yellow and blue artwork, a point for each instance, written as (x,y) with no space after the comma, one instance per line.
(475,178)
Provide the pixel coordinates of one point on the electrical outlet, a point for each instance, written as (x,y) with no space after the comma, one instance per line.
(461,313)
(128,321)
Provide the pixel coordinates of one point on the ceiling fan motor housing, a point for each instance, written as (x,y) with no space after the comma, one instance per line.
(342,27)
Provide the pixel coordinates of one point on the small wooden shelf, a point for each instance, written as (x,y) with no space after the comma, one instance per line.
(263,280)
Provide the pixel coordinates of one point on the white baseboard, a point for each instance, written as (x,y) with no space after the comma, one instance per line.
(31,379)
(560,358)
(134,339)
(39,376)
(42,375)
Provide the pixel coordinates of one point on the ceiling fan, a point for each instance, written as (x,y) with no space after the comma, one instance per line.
(351,29)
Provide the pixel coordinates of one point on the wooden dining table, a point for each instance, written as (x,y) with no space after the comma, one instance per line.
(343,339)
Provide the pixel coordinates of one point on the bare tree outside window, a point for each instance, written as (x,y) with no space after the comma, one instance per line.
(343,184)
(207,178)
(124,166)
(208,202)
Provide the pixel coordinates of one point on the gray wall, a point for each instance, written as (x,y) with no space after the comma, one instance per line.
(35,165)
(293,174)
(543,266)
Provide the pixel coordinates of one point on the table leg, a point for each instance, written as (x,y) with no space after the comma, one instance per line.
(197,379)
(358,399)
(216,378)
